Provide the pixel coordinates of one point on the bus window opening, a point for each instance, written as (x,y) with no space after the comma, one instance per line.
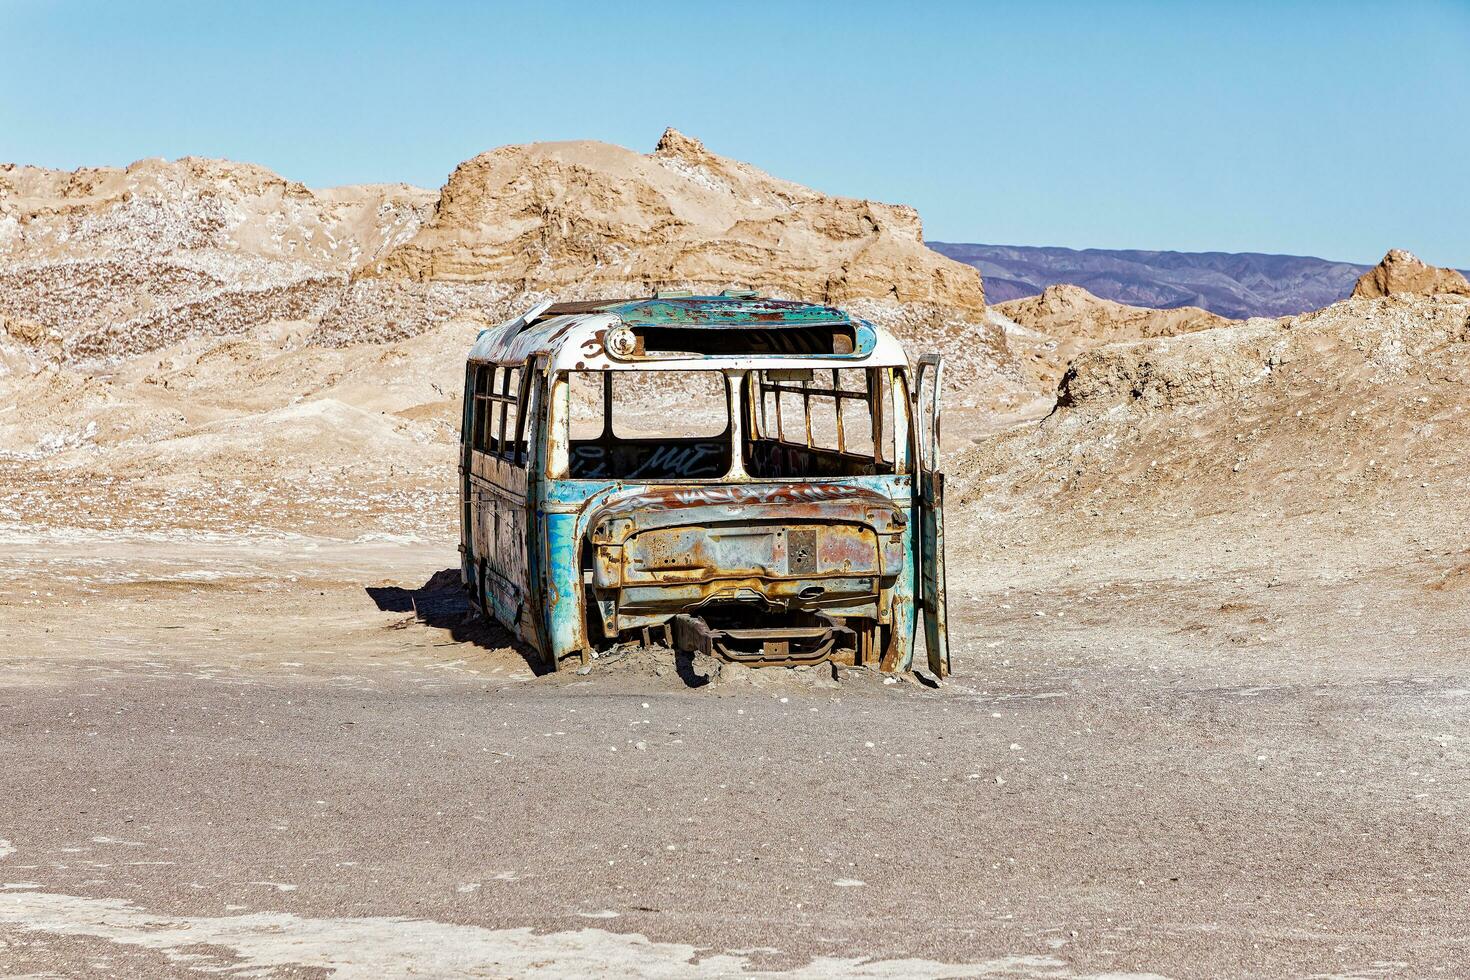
(614,435)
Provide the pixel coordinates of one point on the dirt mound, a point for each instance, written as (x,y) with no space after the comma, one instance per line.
(1362,402)
(1044,333)
(1384,342)
(589,217)
(1072,313)
(262,429)
(1405,272)
(1175,371)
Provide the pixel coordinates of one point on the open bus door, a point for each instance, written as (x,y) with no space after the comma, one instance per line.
(928,382)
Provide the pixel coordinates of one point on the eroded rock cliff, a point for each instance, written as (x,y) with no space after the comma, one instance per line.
(589,218)
(1405,272)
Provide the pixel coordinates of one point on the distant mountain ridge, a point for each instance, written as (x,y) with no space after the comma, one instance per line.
(1233,284)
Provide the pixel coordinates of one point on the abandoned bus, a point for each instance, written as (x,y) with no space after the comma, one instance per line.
(751,478)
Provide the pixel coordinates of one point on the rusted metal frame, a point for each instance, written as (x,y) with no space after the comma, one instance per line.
(837,408)
(931,587)
(777,653)
(845,518)
(872,397)
(780,633)
(807,498)
(533,388)
(806,411)
(663,631)
(520,449)
(875,412)
(467,414)
(502,382)
(867,645)
(806,392)
(466,443)
(751,405)
(495,375)
(928,424)
(558,426)
(936,614)
(901,404)
(860,543)
(467,406)
(752,389)
(889,659)
(692,633)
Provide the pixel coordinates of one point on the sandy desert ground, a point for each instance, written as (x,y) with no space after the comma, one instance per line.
(1208,585)
(1159,754)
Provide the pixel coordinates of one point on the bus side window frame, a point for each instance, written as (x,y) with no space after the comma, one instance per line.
(484,407)
(509,402)
(467,413)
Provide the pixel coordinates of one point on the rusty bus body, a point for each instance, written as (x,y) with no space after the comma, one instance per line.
(789,511)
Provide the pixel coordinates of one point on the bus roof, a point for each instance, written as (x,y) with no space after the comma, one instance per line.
(735,329)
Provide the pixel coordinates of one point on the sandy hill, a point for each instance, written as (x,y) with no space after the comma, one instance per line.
(1071,312)
(1405,272)
(205,343)
(1046,332)
(104,262)
(588,216)
(1349,418)
(196,206)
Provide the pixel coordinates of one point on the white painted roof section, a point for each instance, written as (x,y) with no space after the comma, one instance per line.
(574,343)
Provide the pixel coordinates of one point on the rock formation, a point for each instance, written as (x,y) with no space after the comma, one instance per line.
(103,263)
(1405,272)
(204,343)
(585,217)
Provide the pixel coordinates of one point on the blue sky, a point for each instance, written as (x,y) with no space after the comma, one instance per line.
(1333,129)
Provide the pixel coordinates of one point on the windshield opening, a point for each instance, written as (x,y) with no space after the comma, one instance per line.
(648,425)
